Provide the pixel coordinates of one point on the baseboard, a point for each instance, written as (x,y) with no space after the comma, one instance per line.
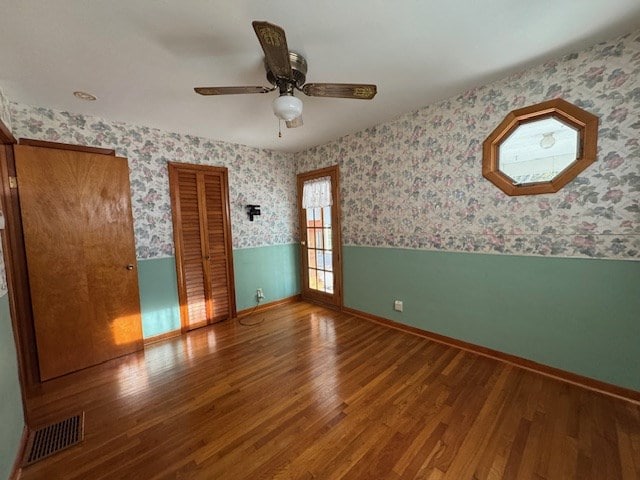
(569,377)
(240,314)
(330,306)
(163,336)
(267,306)
(16,471)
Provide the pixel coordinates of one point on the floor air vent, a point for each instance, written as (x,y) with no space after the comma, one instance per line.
(53,438)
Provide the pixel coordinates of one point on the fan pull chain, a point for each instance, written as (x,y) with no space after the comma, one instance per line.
(279,128)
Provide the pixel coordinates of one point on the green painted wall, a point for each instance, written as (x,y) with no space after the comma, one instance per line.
(11,415)
(275,269)
(580,315)
(158,296)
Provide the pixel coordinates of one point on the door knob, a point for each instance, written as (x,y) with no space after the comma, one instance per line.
(130,266)
(303,242)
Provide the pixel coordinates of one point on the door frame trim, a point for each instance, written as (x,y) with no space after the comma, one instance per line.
(18,293)
(176,219)
(336,300)
(30,142)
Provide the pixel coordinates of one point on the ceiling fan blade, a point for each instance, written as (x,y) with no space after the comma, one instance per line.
(340,90)
(295,123)
(230,90)
(274,44)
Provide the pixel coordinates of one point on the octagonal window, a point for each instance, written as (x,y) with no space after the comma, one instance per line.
(539,149)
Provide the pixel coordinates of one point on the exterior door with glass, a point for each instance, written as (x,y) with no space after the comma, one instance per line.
(319,211)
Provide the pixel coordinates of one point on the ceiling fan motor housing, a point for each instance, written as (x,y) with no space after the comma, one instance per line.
(299,69)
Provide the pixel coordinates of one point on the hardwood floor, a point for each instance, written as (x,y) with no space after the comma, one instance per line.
(311,393)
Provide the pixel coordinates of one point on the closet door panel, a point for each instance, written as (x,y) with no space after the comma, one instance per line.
(218,258)
(200,206)
(189,242)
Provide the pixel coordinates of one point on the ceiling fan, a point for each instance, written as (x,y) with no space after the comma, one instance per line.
(286,71)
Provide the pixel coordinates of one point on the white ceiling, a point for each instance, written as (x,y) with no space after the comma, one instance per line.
(142,58)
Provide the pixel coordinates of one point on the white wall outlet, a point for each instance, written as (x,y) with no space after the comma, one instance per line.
(397,305)
(259,294)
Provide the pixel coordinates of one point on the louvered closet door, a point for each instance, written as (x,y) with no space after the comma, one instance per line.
(217,246)
(202,237)
(191,242)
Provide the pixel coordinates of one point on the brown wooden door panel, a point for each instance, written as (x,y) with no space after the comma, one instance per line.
(191,246)
(309,244)
(217,246)
(78,233)
(202,236)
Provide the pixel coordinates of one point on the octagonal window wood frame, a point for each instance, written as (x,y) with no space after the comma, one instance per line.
(584,122)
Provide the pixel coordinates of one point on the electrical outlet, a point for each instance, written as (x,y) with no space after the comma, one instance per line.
(397,305)
(259,294)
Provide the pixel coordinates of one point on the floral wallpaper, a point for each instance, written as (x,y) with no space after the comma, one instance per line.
(255,176)
(5,113)
(5,117)
(416,182)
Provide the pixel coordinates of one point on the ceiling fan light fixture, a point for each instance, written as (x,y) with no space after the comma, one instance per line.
(287,107)
(548,140)
(85,96)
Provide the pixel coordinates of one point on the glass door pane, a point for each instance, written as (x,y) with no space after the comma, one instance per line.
(320,255)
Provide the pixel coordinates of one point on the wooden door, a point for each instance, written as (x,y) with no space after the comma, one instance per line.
(78,234)
(320,243)
(202,237)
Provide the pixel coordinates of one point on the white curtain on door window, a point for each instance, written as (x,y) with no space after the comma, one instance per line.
(317,193)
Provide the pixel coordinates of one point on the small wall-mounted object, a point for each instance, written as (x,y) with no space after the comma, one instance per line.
(252,211)
(540,148)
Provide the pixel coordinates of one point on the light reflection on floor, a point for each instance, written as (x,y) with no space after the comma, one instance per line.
(132,376)
(199,342)
(323,335)
(139,370)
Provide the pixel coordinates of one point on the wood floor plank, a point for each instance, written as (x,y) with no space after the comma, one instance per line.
(311,393)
